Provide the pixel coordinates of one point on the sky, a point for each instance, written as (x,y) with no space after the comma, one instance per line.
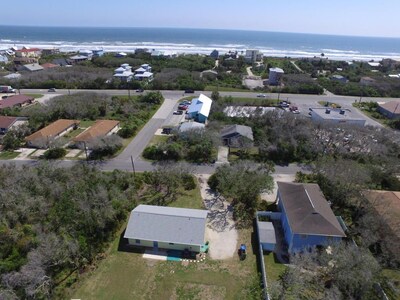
(341,17)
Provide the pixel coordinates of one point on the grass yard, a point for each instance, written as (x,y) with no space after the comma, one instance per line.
(234,154)
(273,268)
(225,89)
(124,275)
(36,96)
(86,123)
(73,133)
(8,154)
(156,139)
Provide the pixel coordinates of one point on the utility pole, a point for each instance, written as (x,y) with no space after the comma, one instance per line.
(87,157)
(133,166)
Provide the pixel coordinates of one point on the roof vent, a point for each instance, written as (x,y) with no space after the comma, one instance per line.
(342,111)
(327,111)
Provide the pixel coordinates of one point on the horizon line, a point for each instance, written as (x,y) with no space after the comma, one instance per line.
(196,28)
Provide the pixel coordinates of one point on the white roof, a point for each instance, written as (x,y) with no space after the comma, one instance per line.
(187,126)
(374,64)
(140,70)
(77,57)
(13,76)
(120,70)
(145,75)
(276,70)
(125,65)
(201,105)
(124,74)
(86,51)
(145,65)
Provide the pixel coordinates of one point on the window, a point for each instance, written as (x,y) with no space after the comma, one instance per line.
(137,241)
(171,243)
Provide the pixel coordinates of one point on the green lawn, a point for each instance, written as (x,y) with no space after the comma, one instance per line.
(86,123)
(35,95)
(273,268)
(233,154)
(122,275)
(73,133)
(225,89)
(330,104)
(156,139)
(8,154)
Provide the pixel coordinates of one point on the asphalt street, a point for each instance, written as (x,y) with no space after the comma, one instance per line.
(164,116)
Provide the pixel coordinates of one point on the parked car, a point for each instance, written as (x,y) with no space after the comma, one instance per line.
(186,102)
(139,90)
(261,96)
(189,91)
(52,90)
(283,104)
(166,130)
(178,112)
(183,107)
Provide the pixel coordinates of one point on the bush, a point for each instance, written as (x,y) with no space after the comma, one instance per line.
(127,130)
(153,152)
(55,153)
(188,182)
(152,98)
(104,147)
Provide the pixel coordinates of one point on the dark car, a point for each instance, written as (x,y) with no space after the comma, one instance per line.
(178,112)
(189,91)
(139,90)
(183,107)
(52,90)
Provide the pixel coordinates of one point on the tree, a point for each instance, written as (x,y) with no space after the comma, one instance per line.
(242,182)
(215,95)
(152,98)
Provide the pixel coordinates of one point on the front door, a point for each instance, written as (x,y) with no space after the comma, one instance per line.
(155,246)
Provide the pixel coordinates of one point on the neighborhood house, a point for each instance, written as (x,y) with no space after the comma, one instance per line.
(7,123)
(199,109)
(390,109)
(100,129)
(305,216)
(45,136)
(17,100)
(236,135)
(143,73)
(160,227)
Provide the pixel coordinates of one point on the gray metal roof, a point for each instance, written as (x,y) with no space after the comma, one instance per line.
(188,126)
(235,130)
(167,224)
(266,232)
(307,210)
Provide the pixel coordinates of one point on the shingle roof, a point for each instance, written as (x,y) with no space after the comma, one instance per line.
(15,100)
(52,130)
(387,205)
(99,129)
(392,106)
(202,105)
(307,210)
(167,224)
(236,130)
(6,122)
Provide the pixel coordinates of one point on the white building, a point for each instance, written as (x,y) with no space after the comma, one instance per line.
(253,56)
(144,73)
(124,72)
(275,75)
(336,116)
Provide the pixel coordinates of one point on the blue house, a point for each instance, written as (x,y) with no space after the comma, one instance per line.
(306,217)
(200,109)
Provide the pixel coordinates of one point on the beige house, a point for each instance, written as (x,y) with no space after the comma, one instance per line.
(44,137)
(100,129)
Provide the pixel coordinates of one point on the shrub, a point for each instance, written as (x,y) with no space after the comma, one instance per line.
(153,152)
(188,182)
(55,153)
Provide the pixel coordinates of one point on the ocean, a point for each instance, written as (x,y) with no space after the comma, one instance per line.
(203,41)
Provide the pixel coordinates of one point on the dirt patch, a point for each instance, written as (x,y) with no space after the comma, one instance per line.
(220,232)
(271,197)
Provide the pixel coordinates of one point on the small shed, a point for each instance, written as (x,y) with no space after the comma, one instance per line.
(266,235)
